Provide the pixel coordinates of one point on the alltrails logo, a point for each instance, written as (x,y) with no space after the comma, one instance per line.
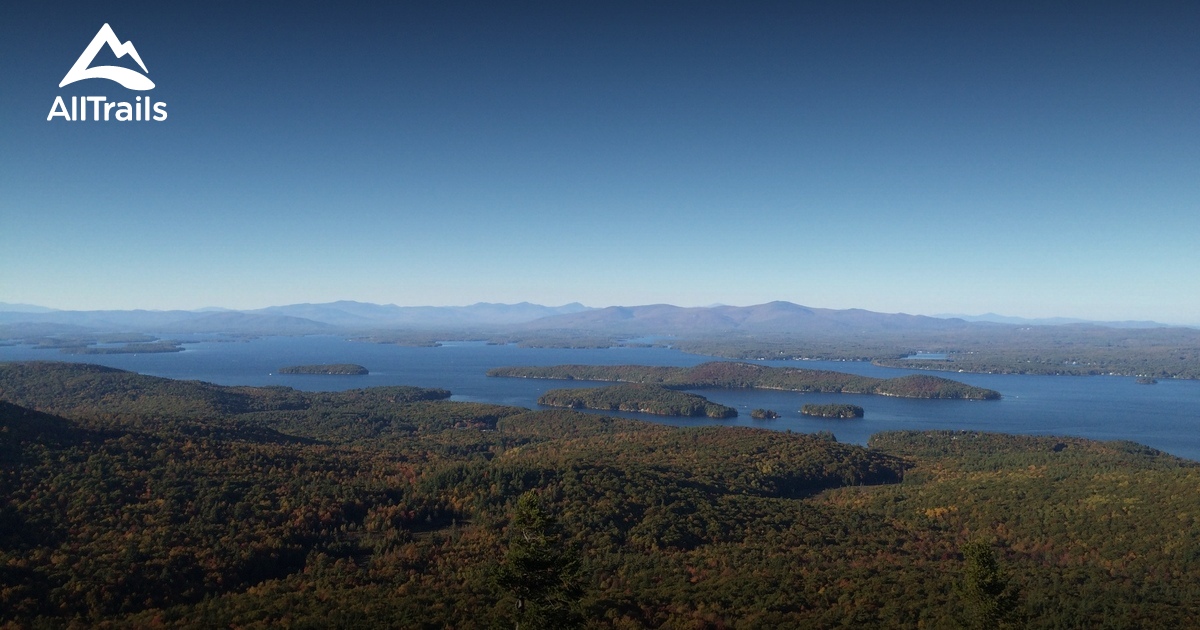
(142,108)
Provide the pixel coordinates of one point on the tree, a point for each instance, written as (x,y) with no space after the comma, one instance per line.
(990,600)
(538,570)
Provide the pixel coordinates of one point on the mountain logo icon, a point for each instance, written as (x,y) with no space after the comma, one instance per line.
(129,78)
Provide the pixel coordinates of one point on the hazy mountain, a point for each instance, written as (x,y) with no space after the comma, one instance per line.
(248,324)
(25,330)
(293,319)
(350,314)
(1051,321)
(177,322)
(762,318)
(104,320)
(9,307)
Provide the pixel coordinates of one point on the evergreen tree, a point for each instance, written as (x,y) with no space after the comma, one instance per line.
(538,570)
(990,601)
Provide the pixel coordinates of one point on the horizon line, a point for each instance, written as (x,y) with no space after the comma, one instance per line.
(991,313)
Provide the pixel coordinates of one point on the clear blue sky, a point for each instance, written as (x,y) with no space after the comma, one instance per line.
(1031,159)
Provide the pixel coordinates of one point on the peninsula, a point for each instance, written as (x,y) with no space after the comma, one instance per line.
(734,375)
(651,399)
(151,347)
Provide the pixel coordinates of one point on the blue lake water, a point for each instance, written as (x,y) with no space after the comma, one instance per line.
(1165,416)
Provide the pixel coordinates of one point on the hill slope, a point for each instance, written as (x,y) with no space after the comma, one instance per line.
(394,507)
(650,399)
(729,374)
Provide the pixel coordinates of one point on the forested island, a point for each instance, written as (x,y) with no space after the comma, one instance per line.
(135,501)
(128,348)
(840,412)
(764,414)
(734,375)
(349,369)
(112,343)
(650,399)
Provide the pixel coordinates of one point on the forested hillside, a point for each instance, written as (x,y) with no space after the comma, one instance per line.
(650,399)
(142,501)
(729,374)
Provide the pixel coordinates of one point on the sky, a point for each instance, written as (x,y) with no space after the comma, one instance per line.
(1026,158)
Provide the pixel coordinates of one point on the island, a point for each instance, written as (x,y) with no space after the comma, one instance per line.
(735,375)
(339,369)
(1146,380)
(152,347)
(651,399)
(840,412)
(764,414)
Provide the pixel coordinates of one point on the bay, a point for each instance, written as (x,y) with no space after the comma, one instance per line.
(1165,416)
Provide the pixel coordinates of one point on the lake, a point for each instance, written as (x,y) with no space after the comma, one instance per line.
(1165,416)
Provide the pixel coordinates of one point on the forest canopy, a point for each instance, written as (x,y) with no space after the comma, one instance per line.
(841,412)
(137,501)
(650,399)
(734,375)
(350,369)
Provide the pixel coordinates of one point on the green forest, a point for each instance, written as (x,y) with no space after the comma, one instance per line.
(135,501)
(841,412)
(1078,350)
(104,343)
(350,369)
(651,399)
(733,375)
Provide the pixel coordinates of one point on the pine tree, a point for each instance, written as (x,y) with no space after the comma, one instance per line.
(538,570)
(990,600)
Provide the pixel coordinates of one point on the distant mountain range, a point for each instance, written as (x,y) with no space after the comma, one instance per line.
(19,320)
(360,315)
(1052,321)
(169,322)
(294,319)
(7,307)
(761,318)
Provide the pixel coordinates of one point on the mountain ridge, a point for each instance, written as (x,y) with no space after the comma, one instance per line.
(346,316)
(761,318)
(1054,321)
